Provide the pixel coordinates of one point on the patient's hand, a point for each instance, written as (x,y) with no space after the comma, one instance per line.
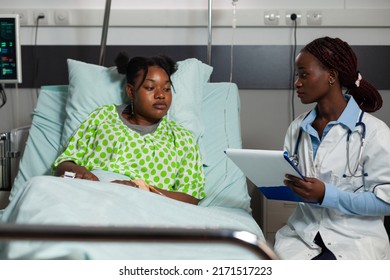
(80,171)
(140,184)
(85,174)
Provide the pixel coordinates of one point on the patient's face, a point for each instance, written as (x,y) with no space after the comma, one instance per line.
(153,97)
(312,82)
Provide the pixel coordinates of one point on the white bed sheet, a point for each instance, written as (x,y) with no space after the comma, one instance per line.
(51,200)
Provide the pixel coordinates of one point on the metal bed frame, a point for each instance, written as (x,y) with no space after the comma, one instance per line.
(11,149)
(249,241)
(5,161)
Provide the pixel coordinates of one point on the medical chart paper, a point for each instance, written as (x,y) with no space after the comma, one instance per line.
(266,169)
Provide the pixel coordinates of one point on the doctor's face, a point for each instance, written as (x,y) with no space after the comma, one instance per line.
(312,81)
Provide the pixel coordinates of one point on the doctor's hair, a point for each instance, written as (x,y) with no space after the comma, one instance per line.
(335,54)
(132,68)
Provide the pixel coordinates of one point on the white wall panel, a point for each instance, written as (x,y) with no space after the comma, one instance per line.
(364,4)
(179,4)
(198,36)
(254,17)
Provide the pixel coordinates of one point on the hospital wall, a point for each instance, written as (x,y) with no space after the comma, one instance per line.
(262,53)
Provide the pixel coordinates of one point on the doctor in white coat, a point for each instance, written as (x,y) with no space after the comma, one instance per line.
(344,152)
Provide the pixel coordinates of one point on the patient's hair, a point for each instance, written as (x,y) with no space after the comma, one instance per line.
(335,54)
(132,68)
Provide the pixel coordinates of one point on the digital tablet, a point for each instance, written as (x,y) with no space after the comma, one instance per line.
(267,169)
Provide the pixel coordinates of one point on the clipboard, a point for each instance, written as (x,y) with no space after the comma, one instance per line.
(266,169)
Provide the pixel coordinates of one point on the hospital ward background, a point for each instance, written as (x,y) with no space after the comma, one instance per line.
(244,51)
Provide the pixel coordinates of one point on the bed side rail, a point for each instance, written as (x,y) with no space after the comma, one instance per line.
(13,232)
(12,145)
(5,161)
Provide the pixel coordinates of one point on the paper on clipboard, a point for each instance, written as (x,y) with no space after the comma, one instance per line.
(266,169)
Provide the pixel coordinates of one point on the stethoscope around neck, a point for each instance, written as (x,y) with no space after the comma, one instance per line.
(352,170)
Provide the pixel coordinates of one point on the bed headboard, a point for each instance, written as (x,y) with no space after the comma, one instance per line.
(218,124)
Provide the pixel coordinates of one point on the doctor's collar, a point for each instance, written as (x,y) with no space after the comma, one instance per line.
(347,118)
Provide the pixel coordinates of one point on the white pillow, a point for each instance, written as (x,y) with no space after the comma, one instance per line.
(188,82)
(92,86)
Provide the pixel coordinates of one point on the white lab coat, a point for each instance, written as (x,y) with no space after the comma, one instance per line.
(347,236)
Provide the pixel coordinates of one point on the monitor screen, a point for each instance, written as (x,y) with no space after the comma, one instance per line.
(10,63)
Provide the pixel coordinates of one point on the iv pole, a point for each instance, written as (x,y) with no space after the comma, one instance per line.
(104,32)
(209,32)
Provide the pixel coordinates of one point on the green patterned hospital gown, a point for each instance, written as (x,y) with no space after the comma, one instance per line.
(167,158)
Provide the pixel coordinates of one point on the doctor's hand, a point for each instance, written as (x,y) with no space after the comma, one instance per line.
(311,190)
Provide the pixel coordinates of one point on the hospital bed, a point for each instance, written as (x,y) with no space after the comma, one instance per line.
(60,218)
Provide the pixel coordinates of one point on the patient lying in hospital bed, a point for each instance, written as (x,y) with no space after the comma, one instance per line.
(210,110)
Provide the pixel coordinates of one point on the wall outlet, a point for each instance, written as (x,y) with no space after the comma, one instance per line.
(42,21)
(271,18)
(61,17)
(290,21)
(314,18)
(24,18)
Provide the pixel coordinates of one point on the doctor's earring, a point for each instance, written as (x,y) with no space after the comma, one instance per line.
(331,83)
